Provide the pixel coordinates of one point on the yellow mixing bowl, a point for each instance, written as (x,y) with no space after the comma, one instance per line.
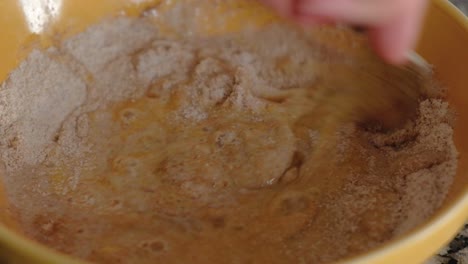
(444,44)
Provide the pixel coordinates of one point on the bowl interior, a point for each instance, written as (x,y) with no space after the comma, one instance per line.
(443,44)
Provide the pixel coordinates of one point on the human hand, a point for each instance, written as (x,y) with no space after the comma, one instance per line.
(393,25)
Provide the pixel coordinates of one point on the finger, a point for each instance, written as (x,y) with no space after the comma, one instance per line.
(307,21)
(394,40)
(359,12)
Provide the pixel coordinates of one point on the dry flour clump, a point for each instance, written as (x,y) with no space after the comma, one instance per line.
(34,106)
(125,145)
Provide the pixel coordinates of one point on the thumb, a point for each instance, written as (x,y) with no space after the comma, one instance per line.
(393,40)
(394,24)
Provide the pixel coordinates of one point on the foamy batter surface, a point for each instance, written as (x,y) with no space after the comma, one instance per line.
(125,145)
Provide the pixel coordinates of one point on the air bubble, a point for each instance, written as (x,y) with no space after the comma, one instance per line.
(290,203)
(154,245)
(126,164)
(129,115)
(218,222)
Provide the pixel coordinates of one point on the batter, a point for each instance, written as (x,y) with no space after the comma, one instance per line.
(138,147)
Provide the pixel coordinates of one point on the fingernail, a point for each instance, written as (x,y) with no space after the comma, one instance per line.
(306,7)
(315,7)
(307,21)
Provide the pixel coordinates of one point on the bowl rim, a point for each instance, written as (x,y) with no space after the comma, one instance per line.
(25,248)
(457,210)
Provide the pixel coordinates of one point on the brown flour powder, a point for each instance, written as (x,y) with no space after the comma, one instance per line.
(124,145)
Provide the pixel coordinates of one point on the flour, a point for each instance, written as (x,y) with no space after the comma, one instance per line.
(123,135)
(34,106)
